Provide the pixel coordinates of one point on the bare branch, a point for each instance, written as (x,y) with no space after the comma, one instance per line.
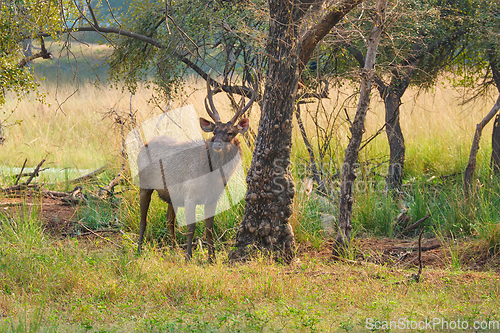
(44,54)
(96,24)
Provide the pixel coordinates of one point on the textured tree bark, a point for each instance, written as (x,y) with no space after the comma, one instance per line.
(265,225)
(270,188)
(396,140)
(495,135)
(471,165)
(357,129)
(495,146)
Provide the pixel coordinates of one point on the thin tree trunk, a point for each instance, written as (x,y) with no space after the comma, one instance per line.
(358,127)
(495,135)
(471,165)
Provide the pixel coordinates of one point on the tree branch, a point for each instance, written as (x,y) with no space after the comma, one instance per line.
(92,14)
(314,35)
(42,54)
(360,58)
(494,63)
(239,90)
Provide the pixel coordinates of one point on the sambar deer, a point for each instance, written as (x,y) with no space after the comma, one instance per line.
(186,174)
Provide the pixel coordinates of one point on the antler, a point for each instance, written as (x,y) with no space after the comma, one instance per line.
(212,111)
(242,109)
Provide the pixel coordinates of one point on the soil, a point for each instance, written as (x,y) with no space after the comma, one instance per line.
(60,222)
(404,253)
(57,216)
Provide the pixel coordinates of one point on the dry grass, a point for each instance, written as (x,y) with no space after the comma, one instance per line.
(72,130)
(437,126)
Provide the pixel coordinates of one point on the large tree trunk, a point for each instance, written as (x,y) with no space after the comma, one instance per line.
(495,136)
(270,189)
(495,146)
(358,128)
(392,103)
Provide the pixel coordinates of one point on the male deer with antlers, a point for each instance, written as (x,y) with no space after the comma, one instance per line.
(186,174)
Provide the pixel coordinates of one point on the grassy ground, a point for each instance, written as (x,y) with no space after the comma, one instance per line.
(66,285)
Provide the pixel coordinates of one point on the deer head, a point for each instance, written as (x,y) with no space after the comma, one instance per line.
(223,133)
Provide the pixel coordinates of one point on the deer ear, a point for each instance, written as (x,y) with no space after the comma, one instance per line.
(243,125)
(206,126)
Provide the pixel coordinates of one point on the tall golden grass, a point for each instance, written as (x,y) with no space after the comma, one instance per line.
(72,129)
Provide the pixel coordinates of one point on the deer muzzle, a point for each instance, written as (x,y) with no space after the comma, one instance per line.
(217,145)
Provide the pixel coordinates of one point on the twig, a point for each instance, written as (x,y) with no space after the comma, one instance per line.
(89,175)
(83,178)
(109,188)
(20,173)
(27,174)
(99,231)
(349,261)
(94,232)
(68,197)
(417,277)
(312,160)
(424,248)
(18,187)
(35,172)
(28,204)
(415,225)
(372,137)
(130,239)
(347,117)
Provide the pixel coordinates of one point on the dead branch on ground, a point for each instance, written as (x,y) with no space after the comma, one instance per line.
(96,233)
(20,173)
(414,225)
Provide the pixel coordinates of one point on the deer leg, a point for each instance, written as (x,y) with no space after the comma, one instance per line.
(190,210)
(171,223)
(145,199)
(209,229)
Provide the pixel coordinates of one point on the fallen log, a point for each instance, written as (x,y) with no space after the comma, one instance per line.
(19,187)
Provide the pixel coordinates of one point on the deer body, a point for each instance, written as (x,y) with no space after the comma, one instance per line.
(187,174)
(187,169)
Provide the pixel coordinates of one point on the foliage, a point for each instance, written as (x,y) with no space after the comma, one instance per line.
(215,34)
(22,21)
(479,49)
(13,78)
(423,34)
